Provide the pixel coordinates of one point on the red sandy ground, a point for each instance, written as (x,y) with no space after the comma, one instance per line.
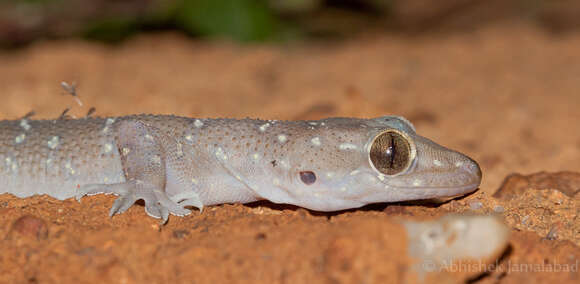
(508,96)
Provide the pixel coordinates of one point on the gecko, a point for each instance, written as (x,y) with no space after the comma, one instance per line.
(177,163)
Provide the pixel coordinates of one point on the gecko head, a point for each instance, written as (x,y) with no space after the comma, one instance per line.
(409,167)
(392,163)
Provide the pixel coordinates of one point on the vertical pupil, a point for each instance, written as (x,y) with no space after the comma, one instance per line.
(391,151)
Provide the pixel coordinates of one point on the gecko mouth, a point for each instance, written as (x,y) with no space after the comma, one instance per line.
(458,189)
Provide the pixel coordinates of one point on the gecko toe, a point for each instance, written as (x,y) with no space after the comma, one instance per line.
(188,198)
(164,215)
(121,204)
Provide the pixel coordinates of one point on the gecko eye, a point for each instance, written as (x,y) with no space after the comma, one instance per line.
(391,152)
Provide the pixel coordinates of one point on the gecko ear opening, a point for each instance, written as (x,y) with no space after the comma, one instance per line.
(392,152)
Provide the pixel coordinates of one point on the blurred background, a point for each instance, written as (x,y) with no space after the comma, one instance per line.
(23,21)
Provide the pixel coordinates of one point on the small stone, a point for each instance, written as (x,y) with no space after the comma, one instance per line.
(180,234)
(475,205)
(525,219)
(553,233)
(30,226)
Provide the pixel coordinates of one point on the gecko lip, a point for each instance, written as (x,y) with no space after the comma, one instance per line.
(459,189)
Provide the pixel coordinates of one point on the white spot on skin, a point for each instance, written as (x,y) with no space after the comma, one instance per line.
(69,167)
(284,164)
(437,163)
(256,156)
(194,181)
(458,164)
(24,124)
(11,164)
(219,153)
(106,179)
(381,177)
(19,138)
(317,195)
(355,172)
(316,141)
(48,161)
(148,137)
(108,123)
(313,123)
(329,174)
(125,151)
(343,189)
(347,146)
(198,123)
(416,182)
(179,151)
(276,182)
(282,138)
(53,142)
(189,138)
(265,126)
(108,147)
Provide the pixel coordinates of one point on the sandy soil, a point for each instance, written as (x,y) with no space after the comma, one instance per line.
(507,96)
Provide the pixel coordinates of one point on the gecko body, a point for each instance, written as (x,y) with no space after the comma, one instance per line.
(173,162)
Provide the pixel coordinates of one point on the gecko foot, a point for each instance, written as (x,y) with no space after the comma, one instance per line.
(157,203)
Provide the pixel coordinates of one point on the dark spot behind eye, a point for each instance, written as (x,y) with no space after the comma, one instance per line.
(274,163)
(307,177)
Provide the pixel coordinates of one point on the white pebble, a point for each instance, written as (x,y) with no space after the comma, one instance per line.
(475,205)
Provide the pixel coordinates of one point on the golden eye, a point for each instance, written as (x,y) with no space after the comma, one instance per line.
(391,152)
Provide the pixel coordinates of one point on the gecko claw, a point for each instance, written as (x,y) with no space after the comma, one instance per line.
(121,204)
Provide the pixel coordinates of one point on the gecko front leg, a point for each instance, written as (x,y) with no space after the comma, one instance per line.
(143,150)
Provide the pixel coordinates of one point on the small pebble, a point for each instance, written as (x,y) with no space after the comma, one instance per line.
(30,226)
(180,234)
(525,219)
(498,209)
(552,234)
(475,205)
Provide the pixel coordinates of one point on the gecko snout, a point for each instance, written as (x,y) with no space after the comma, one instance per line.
(473,168)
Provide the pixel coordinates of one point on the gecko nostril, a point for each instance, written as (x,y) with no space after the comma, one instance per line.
(307,177)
